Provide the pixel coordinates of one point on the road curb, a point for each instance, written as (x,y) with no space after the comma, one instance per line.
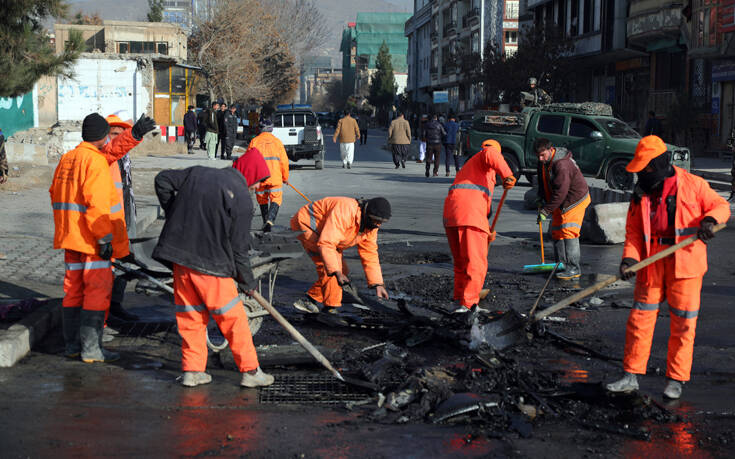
(18,339)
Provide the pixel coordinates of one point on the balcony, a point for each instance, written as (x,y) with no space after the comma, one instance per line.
(472,17)
(649,23)
(450,28)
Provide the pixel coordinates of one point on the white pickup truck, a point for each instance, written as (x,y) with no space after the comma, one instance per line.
(297,126)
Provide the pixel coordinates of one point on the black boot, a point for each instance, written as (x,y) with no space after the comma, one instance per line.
(90,333)
(70,324)
(573,269)
(272,213)
(264,212)
(560,255)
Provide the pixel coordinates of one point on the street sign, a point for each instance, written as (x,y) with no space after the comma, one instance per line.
(441,97)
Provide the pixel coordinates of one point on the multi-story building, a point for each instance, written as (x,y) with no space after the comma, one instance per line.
(314,73)
(458,32)
(186,13)
(510,27)
(361,41)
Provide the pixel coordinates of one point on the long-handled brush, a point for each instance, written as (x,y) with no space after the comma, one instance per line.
(543,267)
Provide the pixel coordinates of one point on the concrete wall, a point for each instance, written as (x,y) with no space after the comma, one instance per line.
(47,109)
(103,86)
(17,114)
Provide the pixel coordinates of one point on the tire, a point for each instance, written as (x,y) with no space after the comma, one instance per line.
(319,161)
(617,177)
(216,342)
(512,162)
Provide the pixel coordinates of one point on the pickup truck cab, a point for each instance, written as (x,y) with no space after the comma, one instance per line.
(297,126)
(601,145)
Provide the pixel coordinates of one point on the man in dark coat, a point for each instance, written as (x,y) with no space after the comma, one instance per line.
(450,142)
(190,128)
(202,126)
(222,131)
(230,120)
(434,133)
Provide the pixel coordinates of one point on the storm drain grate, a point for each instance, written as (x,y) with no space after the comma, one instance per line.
(309,390)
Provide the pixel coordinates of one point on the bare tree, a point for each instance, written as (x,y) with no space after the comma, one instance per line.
(242,54)
(302,26)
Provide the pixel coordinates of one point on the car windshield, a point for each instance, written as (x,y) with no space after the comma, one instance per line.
(617,128)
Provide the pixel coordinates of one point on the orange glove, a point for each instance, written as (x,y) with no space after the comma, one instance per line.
(509,182)
(491,237)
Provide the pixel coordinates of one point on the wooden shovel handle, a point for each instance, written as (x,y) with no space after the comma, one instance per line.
(300,193)
(497,212)
(612,279)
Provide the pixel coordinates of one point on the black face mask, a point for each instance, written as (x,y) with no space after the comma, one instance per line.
(654,180)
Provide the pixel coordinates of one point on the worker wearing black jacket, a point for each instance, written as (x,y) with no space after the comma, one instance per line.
(205,241)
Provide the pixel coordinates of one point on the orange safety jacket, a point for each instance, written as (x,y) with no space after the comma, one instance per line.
(469,201)
(694,201)
(275,157)
(85,204)
(335,226)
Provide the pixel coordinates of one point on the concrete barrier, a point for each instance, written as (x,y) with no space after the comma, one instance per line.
(26,153)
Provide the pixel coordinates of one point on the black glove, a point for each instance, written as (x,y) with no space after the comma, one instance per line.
(104,250)
(245,289)
(706,229)
(129,258)
(143,126)
(624,265)
(732,196)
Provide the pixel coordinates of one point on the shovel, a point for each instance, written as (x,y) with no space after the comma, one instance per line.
(484,292)
(517,325)
(300,193)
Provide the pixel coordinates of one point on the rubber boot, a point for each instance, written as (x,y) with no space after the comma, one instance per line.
(257,378)
(628,383)
(70,324)
(572,268)
(264,212)
(90,333)
(560,255)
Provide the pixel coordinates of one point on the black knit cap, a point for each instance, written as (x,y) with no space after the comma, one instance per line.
(94,128)
(378,208)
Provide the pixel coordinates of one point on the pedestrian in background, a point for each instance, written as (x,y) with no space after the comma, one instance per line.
(653,125)
(190,128)
(450,143)
(230,120)
(669,204)
(210,121)
(202,127)
(347,132)
(420,135)
(363,122)
(399,138)
(3,159)
(433,134)
(222,145)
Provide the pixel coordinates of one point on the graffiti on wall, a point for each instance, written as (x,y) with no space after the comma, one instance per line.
(16,113)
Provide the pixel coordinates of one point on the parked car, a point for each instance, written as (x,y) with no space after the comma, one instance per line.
(601,145)
(327,119)
(297,126)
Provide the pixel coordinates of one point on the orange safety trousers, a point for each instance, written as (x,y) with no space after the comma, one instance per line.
(326,289)
(267,194)
(469,250)
(87,281)
(683,296)
(568,225)
(197,296)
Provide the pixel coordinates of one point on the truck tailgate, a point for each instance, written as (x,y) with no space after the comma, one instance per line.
(289,135)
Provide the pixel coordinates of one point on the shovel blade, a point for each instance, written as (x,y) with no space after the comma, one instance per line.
(495,334)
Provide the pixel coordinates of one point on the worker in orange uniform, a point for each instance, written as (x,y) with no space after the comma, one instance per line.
(467,207)
(668,205)
(328,227)
(124,136)
(205,241)
(564,195)
(270,190)
(91,229)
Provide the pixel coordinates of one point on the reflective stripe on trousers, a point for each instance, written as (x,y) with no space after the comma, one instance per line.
(470,186)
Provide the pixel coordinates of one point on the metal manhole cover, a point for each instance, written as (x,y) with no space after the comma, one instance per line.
(291,389)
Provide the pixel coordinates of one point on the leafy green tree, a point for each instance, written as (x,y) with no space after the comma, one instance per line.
(383,83)
(155,10)
(26,53)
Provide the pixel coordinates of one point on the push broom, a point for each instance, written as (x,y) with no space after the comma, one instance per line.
(543,267)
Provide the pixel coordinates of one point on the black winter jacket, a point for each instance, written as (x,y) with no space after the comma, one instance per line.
(190,121)
(208,215)
(434,132)
(230,125)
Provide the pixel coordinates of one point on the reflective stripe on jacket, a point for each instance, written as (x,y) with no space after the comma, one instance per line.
(695,199)
(334,225)
(83,199)
(275,157)
(470,197)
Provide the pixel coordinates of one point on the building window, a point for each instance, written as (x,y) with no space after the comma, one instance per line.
(122,47)
(476,42)
(574,18)
(589,16)
(141,47)
(511,10)
(162,48)
(511,37)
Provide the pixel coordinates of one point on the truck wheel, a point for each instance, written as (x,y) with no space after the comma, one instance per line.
(512,162)
(617,177)
(319,161)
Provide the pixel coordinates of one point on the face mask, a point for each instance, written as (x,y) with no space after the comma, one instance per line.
(654,180)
